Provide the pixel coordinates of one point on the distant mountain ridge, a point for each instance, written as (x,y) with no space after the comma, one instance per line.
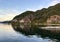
(5,22)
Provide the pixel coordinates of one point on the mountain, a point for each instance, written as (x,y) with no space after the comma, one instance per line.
(6,22)
(45,15)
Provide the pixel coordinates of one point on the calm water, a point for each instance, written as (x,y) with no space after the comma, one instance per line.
(8,34)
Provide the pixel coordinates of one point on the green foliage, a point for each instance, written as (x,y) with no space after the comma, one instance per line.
(42,15)
(22,15)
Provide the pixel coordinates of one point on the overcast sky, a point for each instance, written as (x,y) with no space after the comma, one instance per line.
(11,8)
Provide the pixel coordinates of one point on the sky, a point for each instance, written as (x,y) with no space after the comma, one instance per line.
(10,8)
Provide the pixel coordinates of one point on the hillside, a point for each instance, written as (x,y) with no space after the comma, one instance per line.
(40,16)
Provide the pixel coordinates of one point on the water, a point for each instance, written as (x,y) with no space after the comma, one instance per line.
(8,34)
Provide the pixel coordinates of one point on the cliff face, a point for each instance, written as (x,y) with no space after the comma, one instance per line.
(39,16)
(54,19)
(27,16)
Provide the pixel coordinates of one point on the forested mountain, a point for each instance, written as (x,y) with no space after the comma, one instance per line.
(40,16)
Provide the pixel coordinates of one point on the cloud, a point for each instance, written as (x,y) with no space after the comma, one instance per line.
(8,14)
(6,17)
(53,2)
(48,3)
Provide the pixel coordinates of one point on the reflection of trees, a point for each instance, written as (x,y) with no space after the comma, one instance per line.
(37,31)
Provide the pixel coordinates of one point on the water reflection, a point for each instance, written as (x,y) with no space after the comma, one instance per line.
(34,30)
(7,34)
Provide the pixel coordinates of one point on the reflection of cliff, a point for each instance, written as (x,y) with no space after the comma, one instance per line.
(37,31)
